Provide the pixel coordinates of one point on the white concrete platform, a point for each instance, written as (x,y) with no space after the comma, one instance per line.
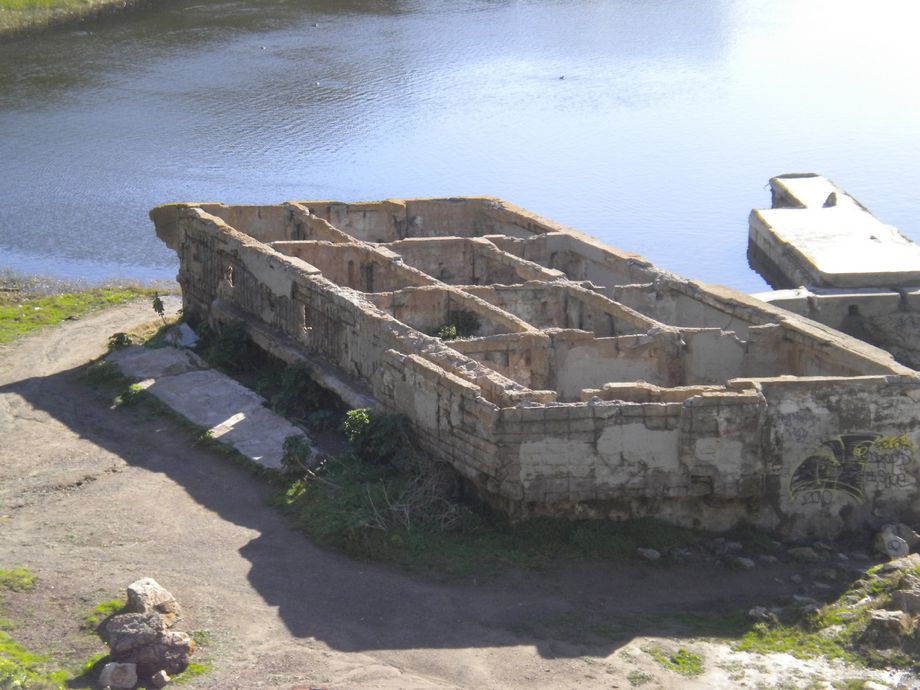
(818,235)
(233,414)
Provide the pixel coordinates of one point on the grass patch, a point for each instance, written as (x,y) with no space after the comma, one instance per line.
(835,630)
(17,580)
(638,678)
(341,509)
(93,618)
(20,668)
(17,15)
(194,670)
(22,312)
(683,662)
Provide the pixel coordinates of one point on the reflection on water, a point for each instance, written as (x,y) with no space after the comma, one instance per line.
(669,120)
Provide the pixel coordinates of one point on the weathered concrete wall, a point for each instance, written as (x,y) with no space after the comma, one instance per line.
(714,410)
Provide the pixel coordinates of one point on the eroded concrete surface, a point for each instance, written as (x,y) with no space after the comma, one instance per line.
(230,413)
(590,384)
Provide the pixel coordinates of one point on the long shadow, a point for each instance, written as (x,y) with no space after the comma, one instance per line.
(573,610)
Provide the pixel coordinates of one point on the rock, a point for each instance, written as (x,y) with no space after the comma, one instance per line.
(907,600)
(127,632)
(891,545)
(733,546)
(810,610)
(807,601)
(760,614)
(909,562)
(170,653)
(885,629)
(825,575)
(118,675)
(768,559)
(681,553)
(743,563)
(803,554)
(186,337)
(872,685)
(796,579)
(160,679)
(823,546)
(649,554)
(147,596)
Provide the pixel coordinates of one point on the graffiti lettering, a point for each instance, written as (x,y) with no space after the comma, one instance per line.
(853,465)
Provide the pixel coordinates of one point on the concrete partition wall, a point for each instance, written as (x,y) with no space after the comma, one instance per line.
(427,309)
(367,268)
(522,357)
(579,360)
(564,305)
(842,453)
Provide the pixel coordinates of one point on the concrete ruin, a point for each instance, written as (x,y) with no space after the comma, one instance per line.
(831,260)
(590,383)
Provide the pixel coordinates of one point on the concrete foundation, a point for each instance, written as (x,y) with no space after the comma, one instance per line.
(589,383)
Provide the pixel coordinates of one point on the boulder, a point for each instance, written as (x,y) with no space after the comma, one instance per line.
(649,554)
(169,653)
(907,600)
(890,544)
(127,632)
(803,554)
(147,596)
(118,675)
(886,629)
(160,679)
(743,563)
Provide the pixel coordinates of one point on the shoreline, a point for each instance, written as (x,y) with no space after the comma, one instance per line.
(19,23)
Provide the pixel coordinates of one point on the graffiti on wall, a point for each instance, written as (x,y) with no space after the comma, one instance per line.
(854,465)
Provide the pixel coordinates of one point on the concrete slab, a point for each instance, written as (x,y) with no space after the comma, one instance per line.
(233,414)
(840,245)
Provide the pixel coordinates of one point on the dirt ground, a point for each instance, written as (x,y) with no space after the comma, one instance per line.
(93,498)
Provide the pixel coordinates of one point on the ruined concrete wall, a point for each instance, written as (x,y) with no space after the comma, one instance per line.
(564,305)
(805,455)
(357,266)
(842,454)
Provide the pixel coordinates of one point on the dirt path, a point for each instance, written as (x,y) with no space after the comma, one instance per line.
(93,498)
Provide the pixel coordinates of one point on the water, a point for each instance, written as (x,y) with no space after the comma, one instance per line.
(659,140)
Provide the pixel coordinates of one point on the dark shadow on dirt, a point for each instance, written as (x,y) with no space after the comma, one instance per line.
(574,610)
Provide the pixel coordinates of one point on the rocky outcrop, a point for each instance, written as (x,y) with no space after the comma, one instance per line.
(143,647)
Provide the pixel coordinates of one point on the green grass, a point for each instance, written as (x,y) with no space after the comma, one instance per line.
(100,612)
(802,637)
(20,668)
(21,314)
(17,15)
(337,512)
(17,580)
(194,670)
(683,662)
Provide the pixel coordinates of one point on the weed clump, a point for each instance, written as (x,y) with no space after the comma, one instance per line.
(460,324)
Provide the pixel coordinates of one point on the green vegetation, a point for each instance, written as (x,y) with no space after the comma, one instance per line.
(194,670)
(93,618)
(683,662)
(835,631)
(17,580)
(638,678)
(460,324)
(383,500)
(23,311)
(16,15)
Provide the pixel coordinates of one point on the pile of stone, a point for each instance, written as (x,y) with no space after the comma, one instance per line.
(895,625)
(144,648)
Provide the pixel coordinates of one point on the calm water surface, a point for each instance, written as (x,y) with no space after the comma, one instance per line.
(670,119)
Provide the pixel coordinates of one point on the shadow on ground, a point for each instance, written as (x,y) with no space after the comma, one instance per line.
(574,610)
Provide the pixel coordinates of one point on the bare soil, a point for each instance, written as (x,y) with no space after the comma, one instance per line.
(92,498)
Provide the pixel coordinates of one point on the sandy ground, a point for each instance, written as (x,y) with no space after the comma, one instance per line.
(93,498)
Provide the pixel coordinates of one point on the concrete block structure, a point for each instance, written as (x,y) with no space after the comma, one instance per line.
(835,263)
(589,383)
